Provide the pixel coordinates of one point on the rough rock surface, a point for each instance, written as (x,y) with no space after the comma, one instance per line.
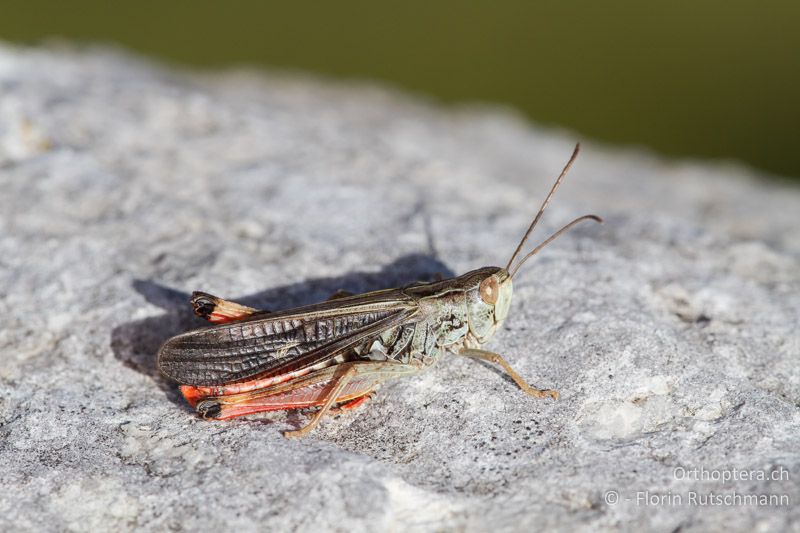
(671,331)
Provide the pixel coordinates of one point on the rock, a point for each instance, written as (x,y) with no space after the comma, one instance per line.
(671,331)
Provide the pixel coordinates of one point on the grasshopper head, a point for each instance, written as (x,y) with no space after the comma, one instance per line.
(488,300)
(489,289)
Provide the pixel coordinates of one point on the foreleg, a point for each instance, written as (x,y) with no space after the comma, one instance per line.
(498,359)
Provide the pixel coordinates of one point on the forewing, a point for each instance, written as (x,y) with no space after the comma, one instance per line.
(280,342)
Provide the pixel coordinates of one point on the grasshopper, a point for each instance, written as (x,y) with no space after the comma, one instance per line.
(339,351)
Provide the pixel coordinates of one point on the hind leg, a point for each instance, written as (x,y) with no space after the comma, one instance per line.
(341,293)
(219,311)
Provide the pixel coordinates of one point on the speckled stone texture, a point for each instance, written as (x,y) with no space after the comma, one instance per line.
(671,331)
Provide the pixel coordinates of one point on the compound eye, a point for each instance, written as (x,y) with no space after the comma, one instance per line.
(489,290)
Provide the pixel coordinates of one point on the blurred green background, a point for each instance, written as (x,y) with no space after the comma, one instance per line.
(717,79)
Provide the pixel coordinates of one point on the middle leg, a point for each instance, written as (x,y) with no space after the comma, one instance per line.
(338,387)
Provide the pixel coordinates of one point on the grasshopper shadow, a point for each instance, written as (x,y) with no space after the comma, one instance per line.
(136,343)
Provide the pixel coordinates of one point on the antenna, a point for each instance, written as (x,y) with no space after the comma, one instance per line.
(544,206)
(553,237)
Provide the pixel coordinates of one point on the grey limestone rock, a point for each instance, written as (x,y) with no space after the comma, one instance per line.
(671,331)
